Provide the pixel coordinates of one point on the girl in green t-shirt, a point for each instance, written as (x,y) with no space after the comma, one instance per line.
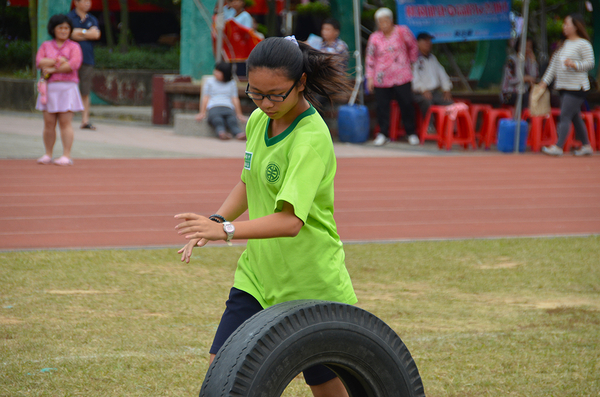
(286,185)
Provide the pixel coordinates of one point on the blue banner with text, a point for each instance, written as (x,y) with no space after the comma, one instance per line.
(456,20)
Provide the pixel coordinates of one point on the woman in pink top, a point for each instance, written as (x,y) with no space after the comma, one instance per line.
(391,51)
(59,60)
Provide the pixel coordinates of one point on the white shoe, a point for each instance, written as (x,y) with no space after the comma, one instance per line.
(413,139)
(380,140)
(552,150)
(585,150)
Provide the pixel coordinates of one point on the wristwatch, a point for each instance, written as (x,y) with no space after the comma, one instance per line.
(229,229)
(84,31)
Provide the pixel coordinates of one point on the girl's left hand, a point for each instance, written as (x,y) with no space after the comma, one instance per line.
(242,118)
(199,227)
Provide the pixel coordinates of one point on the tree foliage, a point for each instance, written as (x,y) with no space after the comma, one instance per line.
(171,5)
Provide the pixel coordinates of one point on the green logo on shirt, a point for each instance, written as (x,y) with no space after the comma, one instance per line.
(272,173)
(247,160)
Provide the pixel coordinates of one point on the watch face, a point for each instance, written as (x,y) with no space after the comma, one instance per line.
(229,228)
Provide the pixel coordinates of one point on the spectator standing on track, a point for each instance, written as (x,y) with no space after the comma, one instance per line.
(239,14)
(510,79)
(242,17)
(391,51)
(431,84)
(220,101)
(332,44)
(85,32)
(294,250)
(569,68)
(59,59)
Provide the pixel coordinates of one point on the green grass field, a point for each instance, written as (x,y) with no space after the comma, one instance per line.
(517,317)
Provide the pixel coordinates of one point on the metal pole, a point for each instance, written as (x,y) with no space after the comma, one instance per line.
(220,25)
(543,33)
(520,68)
(357,54)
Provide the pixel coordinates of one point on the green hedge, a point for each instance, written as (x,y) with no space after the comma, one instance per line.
(154,58)
(14,54)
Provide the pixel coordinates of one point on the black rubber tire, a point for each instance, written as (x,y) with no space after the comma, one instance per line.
(266,352)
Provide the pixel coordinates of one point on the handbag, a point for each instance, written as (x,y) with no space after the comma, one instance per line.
(539,101)
(42,88)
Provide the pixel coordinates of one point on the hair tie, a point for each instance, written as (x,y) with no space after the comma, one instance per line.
(292,38)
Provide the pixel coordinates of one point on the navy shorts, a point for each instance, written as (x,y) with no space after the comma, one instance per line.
(240,307)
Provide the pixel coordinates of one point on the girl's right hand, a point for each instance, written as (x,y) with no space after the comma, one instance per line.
(371,85)
(48,71)
(186,251)
(200,116)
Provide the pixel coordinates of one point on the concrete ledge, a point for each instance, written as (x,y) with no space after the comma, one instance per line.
(125,113)
(186,124)
(17,94)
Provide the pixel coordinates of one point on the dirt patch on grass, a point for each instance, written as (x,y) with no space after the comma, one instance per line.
(9,321)
(79,292)
(566,303)
(504,265)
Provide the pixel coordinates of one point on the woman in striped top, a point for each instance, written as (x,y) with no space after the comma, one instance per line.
(569,69)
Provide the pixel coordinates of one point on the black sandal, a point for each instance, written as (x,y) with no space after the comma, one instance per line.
(88,126)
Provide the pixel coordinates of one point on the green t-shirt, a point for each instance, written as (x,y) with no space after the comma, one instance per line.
(297,166)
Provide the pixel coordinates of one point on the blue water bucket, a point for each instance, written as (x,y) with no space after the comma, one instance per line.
(506,135)
(353,123)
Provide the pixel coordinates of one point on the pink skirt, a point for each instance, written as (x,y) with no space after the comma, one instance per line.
(62,96)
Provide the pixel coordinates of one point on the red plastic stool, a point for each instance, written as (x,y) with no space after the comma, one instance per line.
(394,121)
(489,130)
(556,114)
(571,142)
(476,109)
(542,132)
(396,128)
(596,117)
(464,135)
(440,115)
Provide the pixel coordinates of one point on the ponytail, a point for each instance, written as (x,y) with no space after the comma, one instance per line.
(325,73)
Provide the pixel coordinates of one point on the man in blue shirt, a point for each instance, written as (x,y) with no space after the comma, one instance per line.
(85,30)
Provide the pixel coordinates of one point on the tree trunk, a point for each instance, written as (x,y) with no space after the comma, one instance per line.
(124,35)
(33,7)
(271,18)
(110,42)
(2,15)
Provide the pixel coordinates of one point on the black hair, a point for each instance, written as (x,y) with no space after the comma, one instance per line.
(579,23)
(332,22)
(56,20)
(224,68)
(517,44)
(325,73)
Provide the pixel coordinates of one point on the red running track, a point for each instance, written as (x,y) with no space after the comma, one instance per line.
(131,203)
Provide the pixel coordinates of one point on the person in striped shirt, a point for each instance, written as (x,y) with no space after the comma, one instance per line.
(568,69)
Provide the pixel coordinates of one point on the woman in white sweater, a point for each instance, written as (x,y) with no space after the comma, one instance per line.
(569,69)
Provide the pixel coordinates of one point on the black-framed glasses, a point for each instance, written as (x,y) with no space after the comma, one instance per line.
(271,97)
